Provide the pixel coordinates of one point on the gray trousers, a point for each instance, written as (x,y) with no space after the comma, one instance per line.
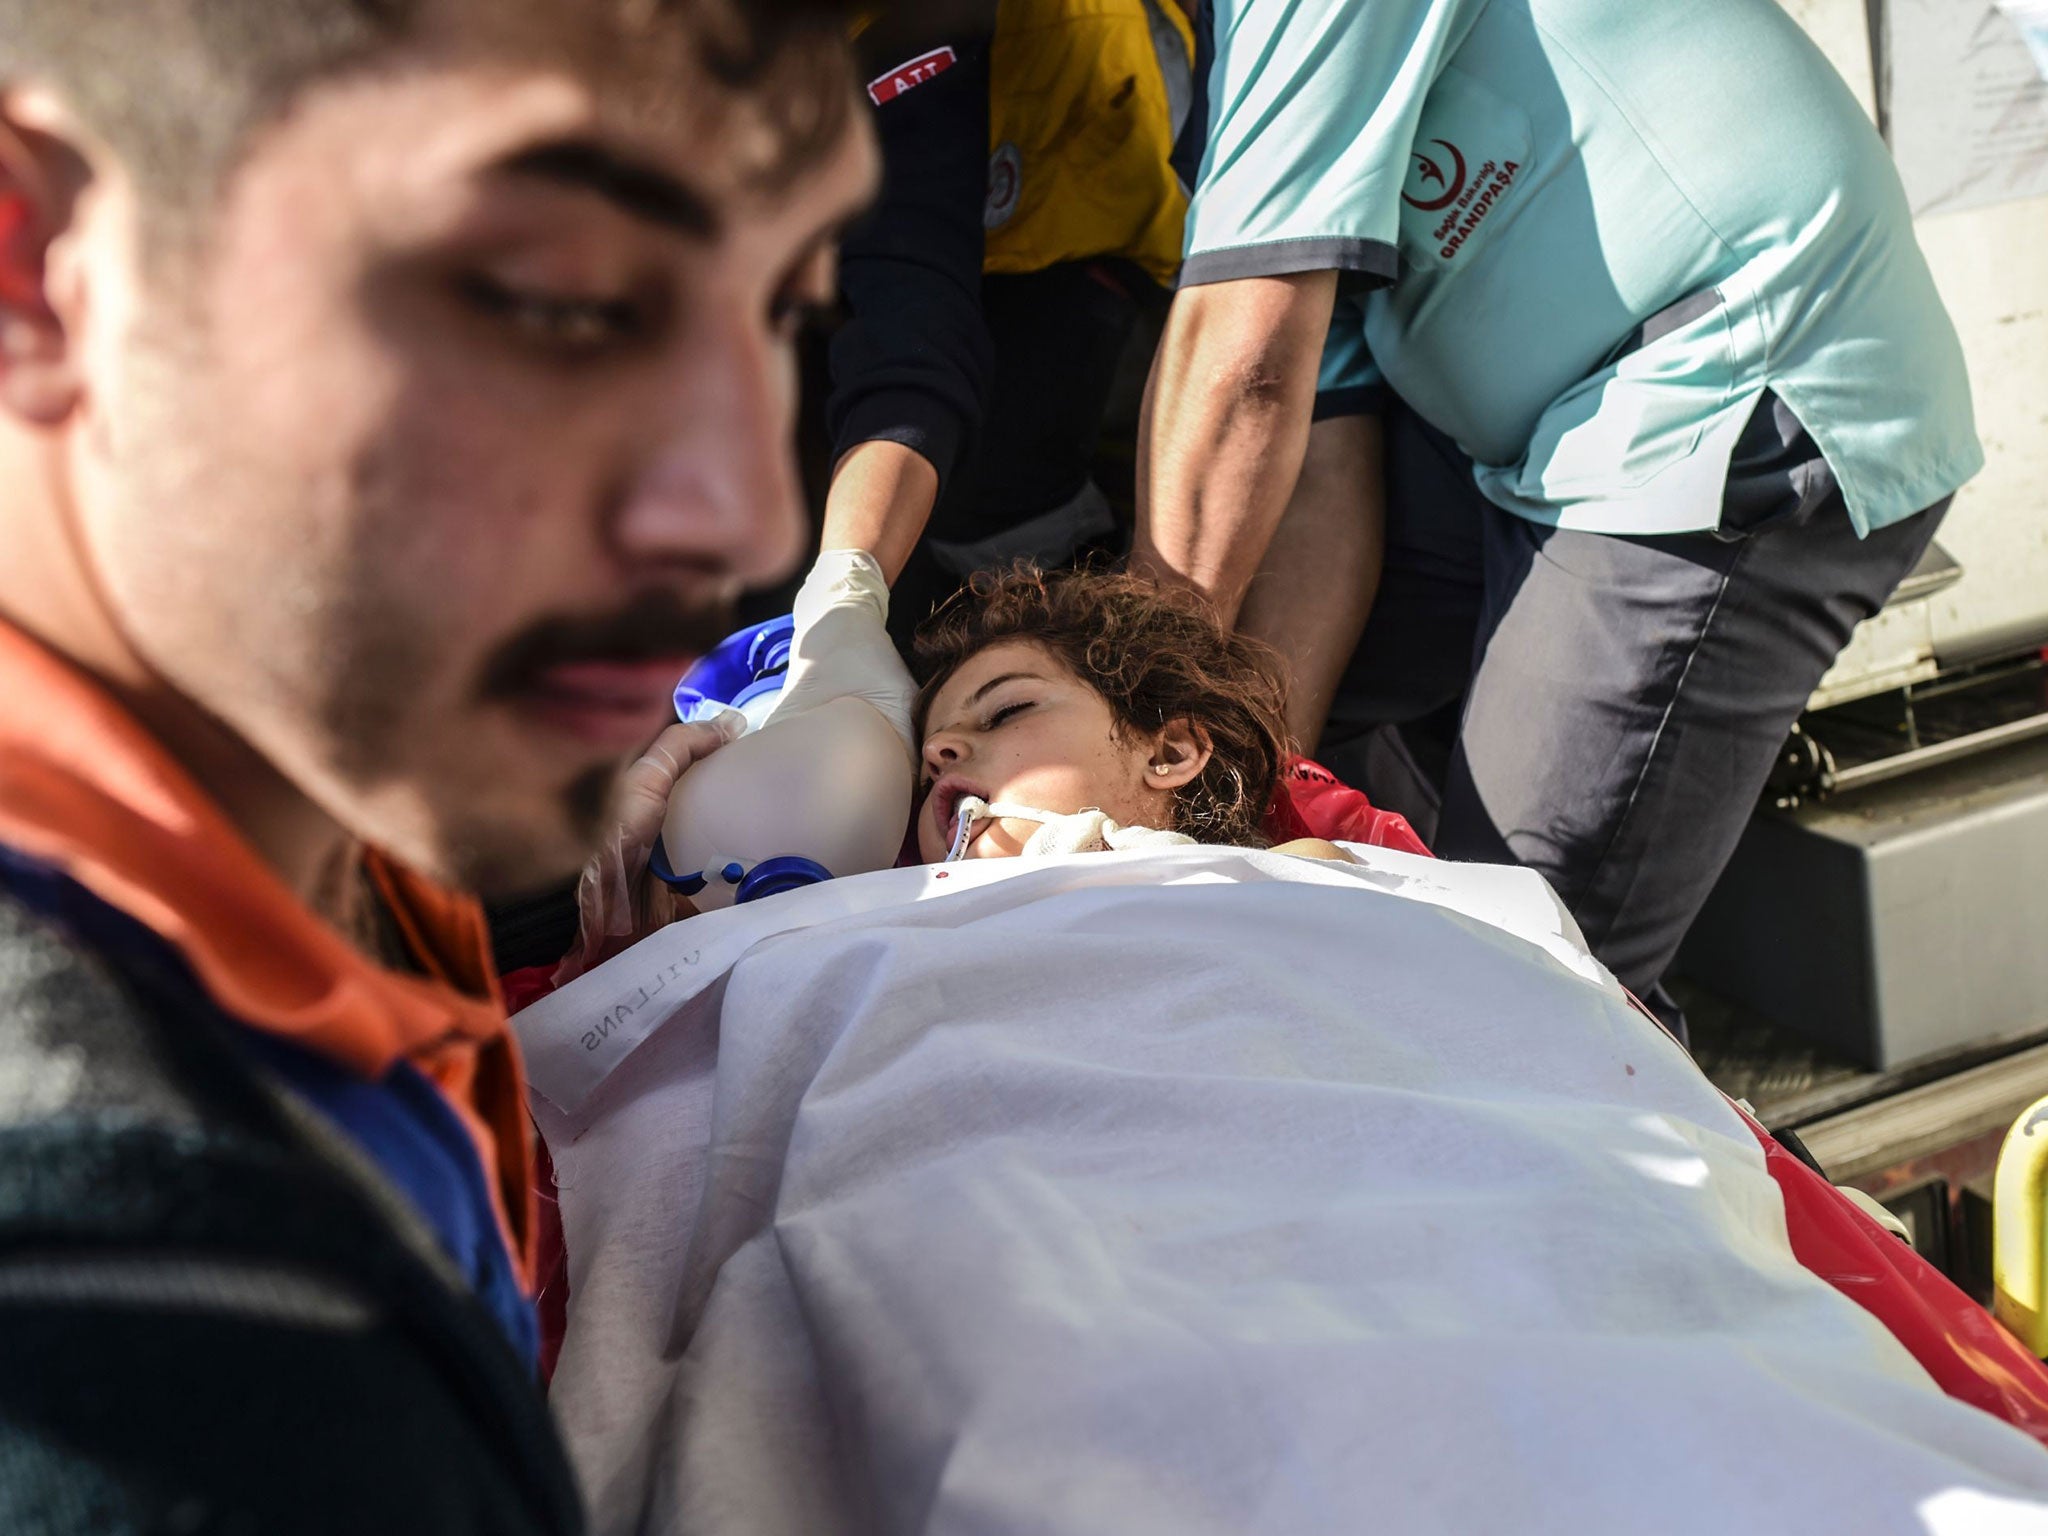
(1603,709)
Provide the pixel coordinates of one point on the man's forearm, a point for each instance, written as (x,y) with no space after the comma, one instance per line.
(1321,570)
(881,498)
(1226,422)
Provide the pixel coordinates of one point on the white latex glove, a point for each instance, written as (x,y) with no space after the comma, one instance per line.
(842,646)
(618,902)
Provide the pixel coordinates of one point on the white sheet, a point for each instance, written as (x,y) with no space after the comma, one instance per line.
(1196,1191)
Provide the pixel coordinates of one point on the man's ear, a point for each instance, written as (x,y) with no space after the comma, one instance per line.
(41,178)
(1180,750)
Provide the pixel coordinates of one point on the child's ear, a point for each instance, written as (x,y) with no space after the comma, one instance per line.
(1180,751)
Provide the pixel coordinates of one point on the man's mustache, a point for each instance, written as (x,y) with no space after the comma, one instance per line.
(654,626)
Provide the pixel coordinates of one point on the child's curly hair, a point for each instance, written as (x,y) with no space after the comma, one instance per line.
(1155,654)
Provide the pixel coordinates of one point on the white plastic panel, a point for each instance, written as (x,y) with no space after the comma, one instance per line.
(1992,266)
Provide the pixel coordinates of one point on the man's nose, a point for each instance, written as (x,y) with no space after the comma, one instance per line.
(718,487)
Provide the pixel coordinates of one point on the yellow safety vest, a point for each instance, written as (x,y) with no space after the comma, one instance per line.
(1086,99)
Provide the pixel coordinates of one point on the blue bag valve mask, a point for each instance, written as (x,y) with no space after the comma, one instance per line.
(820,784)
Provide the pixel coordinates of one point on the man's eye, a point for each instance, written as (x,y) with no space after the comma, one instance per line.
(794,314)
(560,322)
(808,293)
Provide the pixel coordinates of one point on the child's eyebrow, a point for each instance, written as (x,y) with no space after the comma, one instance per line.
(996,682)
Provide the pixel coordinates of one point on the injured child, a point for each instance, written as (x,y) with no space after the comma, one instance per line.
(1185,1185)
(1084,710)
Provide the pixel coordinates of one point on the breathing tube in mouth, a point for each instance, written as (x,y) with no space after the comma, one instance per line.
(1085,831)
(973,810)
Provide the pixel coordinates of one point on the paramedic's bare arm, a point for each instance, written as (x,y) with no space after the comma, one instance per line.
(1226,423)
(881,498)
(1315,587)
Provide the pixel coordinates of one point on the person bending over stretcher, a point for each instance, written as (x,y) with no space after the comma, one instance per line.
(1088,709)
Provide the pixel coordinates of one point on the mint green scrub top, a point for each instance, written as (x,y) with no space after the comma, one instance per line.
(1582,237)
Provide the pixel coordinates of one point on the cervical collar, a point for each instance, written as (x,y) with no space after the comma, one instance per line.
(1088,831)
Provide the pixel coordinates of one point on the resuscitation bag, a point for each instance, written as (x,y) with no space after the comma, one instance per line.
(787,805)
(744,671)
(820,783)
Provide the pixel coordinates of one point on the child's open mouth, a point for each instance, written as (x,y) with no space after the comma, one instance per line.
(944,803)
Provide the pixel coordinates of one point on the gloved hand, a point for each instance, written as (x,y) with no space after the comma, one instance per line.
(842,644)
(822,785)
(618,902)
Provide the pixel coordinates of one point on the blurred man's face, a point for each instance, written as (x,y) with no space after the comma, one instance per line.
(433,471)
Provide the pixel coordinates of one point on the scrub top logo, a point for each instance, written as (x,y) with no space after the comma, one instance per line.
(1444,181)
(1429,171)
